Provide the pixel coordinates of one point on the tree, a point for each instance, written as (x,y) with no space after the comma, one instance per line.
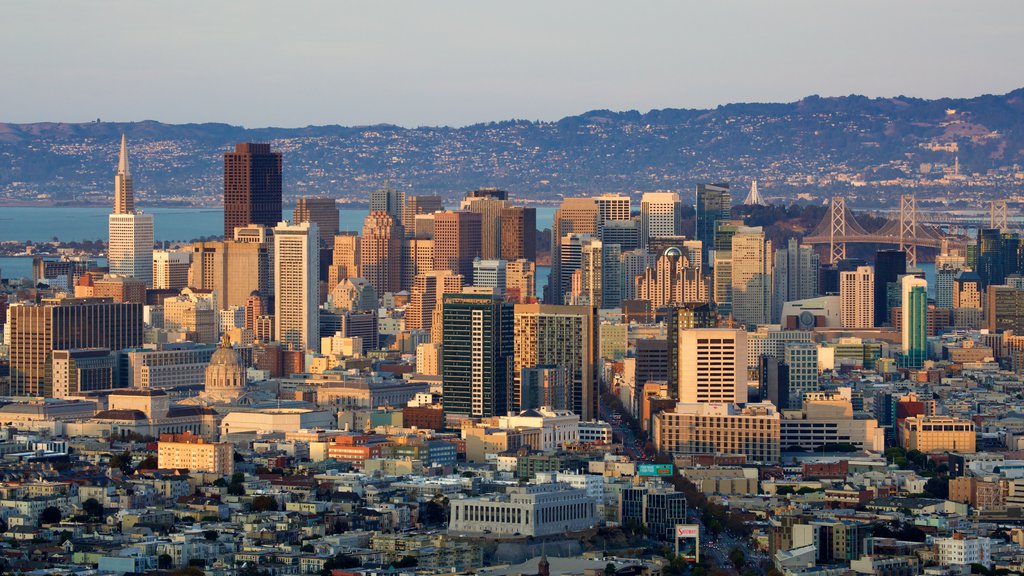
(264,504)
(307,549)
(148,463)
(236,489)
(937,487)
(210,535)
(93,508)
(164,561)
(50,515)
(738,558)
(609,569)
(406,562)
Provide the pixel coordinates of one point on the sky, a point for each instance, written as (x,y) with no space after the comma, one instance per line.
(294,63)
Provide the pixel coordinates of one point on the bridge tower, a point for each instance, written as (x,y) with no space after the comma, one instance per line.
(837,230)
(908,228)
(997,215)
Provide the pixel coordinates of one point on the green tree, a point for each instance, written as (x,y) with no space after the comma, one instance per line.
(210,535)
(236,489)
(738,558)
(148,463)
(264,504)
(164,561)
(406,562)
(50,515)
(93,508)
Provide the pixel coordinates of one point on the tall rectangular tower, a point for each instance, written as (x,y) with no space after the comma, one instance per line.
(321,211)
(252,187)
(130,232)
(914,320)
(857,297)
(297,281)
(457,240)
(714,203)
(477,349)
(659,216)
(712,365)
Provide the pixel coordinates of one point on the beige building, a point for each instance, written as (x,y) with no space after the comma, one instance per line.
(938,434)
(427,292)
(857,297)
(344,259)
(297,278)
(321,211)
(186,451)
(380,252)
(827,418)
(561,336)
(193,312)
(237,268)
(752,430)
(752,261)
(170,269)
(530,510)
(712,365)
(484,441)
(520,278)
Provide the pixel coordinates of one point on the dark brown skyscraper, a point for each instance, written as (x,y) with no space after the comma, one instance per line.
(518,233)
(252,187)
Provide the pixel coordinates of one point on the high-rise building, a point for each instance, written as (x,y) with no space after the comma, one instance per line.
(990,257)
(634,264)
(344,259)
(560,336)
(416,205)
(489,204)
(321,211)
(520,279)
(597,278)
(751,276)
(194,314)
(296,274)
(427,294)
(624,233)
(914,320)
(612,208)
(36,330)
(1004,309)
(380,258)
(752,430)
(417,258)
(796,275)
(967,291)
(490,274)
(252,187)
(518,233)
(457,237)
(723,265)
(889,266)
(388,200)
(672,281)
(130,232)
(713,365)
(237,267)
(774,381)
(477,349)
(574,216)
(660,214)
(714,203)
(170,269)
(802,360)
(857,298)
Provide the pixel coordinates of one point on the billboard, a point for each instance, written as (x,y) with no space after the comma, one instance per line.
(655,469)
(688,542)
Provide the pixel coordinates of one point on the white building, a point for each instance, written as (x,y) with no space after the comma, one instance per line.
(130,233)
(713,365)
(297,278)
(961,550)
(802,359)
(557,427)
(170,269)
(530,510)
(490,274)
(276,420)
(659,215)
(857,297)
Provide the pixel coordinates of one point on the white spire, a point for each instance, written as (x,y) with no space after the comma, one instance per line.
(754,197)
(122,164)
(124,196)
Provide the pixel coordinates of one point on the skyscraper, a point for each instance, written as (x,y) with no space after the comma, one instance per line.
(714,203)
(889,266)
(659,215)
(170,269)
(489,204)
(237,267)
(613,208)
(380,259)
(751,277)
(427,294)
(457,241)
(321,211)
(802,360)
(671,282)
(490,274)
(388,200)
(476,360)
(344,259)
(574,216)
(551,335)
(36,330)
(130,232)
(914,320)
(796,275)
(297,281)
(252,187)
(857,298)
(416,205)
(712,365)
(518,233)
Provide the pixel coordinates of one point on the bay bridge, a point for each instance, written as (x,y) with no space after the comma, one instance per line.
(908,229)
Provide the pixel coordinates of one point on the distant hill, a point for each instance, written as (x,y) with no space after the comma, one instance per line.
(817,146)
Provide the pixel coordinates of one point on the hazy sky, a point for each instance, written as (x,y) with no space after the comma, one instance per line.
(294,63)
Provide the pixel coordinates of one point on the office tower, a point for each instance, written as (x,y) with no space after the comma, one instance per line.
(520,279)
(944,280)
(774,381)
(120,289)
(255,306)
(194,314)
(416,205)
(234,269)
(678,319)
(417,258)
(297,274)
(574,216)
(634,263)
(751,276)
(518,233)
(612,208)
(559,336)
(990,257)
(130,233)
(889,266)
(82,372)
(723,265)
(660,213)
(170,269)
(857,298)
(967,291)
(624,233)
(914,320)
(427,294)
(802,360)
(796,275)
(36,330)
(252,187)
(543,386)
(476,358)
(457,242)
(489,204)
(344,260)
(713,365)
(353,294)
(1004,309)
(596,271)
(388,200)
(380,257)
(714,203)
(672,282)
(490,274)
(321,211)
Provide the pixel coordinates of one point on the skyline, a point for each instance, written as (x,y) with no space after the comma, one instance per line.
(407,64)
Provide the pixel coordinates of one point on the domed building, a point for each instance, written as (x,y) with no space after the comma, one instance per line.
(225,375)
